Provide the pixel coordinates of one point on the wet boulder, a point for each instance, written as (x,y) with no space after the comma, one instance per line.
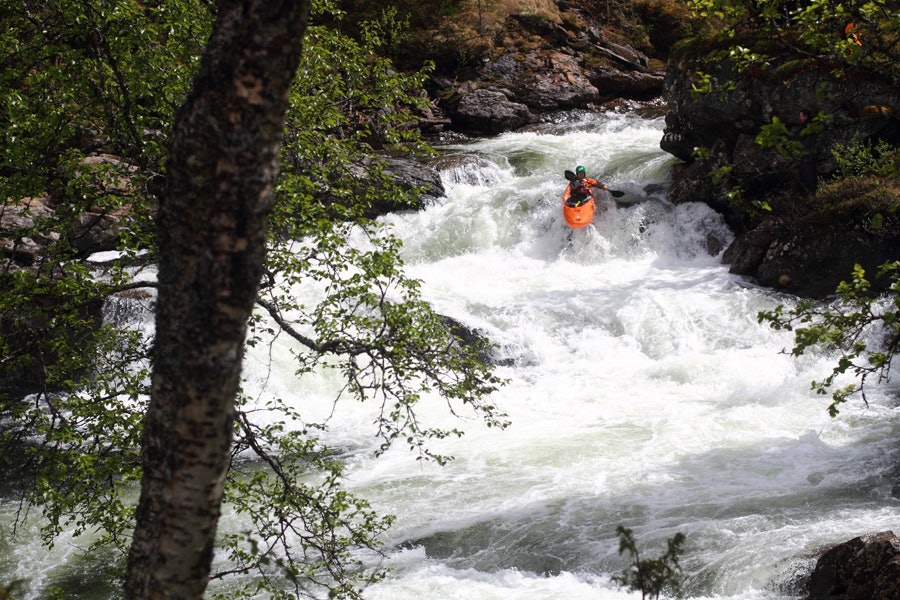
(489,111)
(809,254)
(629,84)
(866,567)
(544,80)
(407,173)
(412,174)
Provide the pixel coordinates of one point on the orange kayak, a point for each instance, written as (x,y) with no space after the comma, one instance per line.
(577,213)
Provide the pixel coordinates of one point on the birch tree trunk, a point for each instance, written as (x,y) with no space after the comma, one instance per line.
(212,224)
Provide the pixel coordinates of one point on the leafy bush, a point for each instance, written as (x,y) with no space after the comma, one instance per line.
(866,158)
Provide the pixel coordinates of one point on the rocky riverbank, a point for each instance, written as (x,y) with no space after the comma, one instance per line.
(567,58)
(802,244)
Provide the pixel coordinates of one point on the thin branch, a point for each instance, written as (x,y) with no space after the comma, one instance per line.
(345,346)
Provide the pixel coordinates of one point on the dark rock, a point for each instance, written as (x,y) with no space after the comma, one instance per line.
(476,339)
(489,111)
(21,244)
(691,182)
(23,214)
(812,264)
(748,251)
(865,568)
(799,247)
(469,169)
(22,252)
(411,174)
(677,137)
(576,65)
(625,56)
(408,174)
(730,122)
(629,84)
(811,253)
(544,80)
(95,232)
(758,166)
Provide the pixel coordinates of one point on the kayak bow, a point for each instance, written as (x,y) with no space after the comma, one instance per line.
(577,213)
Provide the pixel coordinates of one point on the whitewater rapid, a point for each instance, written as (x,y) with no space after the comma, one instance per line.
(642,392)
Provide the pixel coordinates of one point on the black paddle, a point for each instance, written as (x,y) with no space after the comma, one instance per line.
(614,193)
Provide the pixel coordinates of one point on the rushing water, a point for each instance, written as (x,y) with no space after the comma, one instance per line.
(642,393)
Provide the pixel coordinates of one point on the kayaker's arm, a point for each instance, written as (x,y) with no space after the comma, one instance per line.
(595,183)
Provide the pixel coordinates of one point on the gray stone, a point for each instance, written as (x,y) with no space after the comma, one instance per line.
(866,567)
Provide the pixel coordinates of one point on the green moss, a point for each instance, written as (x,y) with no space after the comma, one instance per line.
(666,22)
(691,48)
(858,199)
(540,23)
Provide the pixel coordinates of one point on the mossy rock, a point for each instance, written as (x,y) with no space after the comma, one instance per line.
(858,198)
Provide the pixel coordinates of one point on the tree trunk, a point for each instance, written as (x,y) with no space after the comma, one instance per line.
(212,225)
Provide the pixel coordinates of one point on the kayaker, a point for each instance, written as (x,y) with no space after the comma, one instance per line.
(580,187)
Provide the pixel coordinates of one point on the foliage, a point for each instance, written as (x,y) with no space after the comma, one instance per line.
(777,40)
(867,158)
(863,327)
(774,39)
(83,81)
(651,576)
(777,135)
(858,32)
(360,286)
(863,323)
(666,22)
(86,80)
(302,527)
(421,13)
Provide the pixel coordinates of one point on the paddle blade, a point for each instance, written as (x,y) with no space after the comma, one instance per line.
(570,175)
(616,193)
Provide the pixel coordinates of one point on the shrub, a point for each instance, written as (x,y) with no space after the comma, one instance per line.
(866,158)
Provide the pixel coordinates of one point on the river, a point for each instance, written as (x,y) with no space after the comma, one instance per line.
(643,392)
